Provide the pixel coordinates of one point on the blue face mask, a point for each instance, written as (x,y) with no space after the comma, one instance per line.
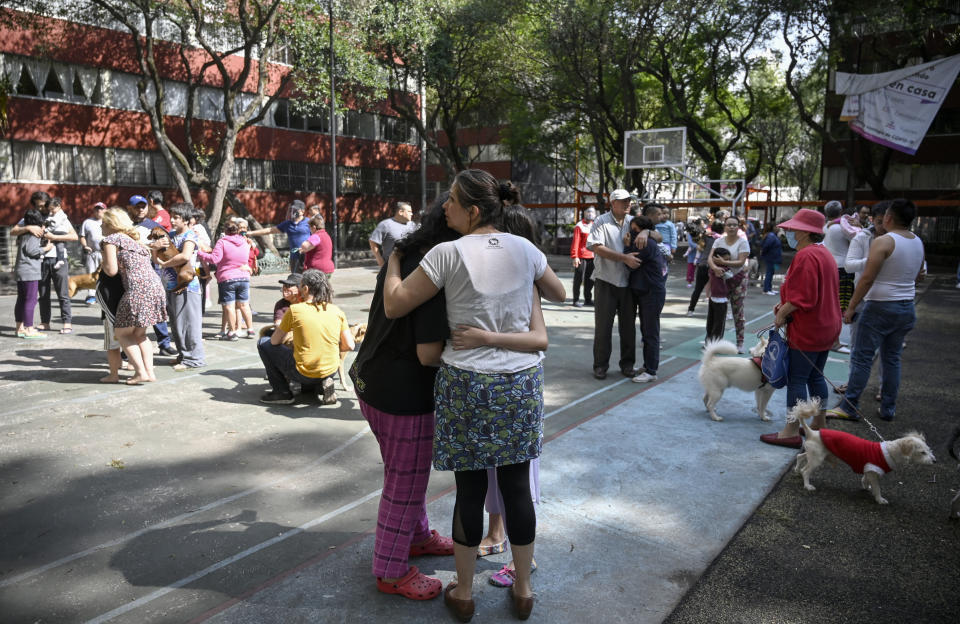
(791,238)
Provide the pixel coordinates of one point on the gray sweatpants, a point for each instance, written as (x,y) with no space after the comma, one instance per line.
(186,323)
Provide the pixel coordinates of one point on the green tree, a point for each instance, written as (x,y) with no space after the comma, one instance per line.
(211,36)
(459,52)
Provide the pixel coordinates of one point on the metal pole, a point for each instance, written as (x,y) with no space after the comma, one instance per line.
(423,143)
(333,141)
(556,204)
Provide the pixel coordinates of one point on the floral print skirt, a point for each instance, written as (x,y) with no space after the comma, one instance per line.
(487,420)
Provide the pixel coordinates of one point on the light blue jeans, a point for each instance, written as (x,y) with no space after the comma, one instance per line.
(883,325)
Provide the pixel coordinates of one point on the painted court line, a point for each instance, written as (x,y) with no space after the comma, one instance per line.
(130,606)
(450,490)
(176,519)
(596,392)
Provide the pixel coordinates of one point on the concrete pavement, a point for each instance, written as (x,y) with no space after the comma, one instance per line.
(186,500)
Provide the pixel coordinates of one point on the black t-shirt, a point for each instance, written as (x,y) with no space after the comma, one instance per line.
(387,374)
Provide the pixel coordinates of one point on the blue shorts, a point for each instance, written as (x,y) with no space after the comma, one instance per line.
(234,290)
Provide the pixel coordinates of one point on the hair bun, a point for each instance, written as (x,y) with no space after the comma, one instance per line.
(505,191)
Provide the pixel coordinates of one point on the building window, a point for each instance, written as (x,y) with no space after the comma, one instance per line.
(349,180)
(395,129)
(360,125)
(318,177)
(58,163)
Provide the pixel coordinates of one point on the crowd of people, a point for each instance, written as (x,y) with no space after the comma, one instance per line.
(450,373)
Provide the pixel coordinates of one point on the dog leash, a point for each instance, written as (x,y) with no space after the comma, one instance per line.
(873,428)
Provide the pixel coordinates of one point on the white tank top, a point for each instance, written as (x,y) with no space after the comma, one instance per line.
(897,278)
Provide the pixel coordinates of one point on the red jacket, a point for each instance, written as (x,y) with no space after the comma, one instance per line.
(856,452)
(812,284)
(578,248)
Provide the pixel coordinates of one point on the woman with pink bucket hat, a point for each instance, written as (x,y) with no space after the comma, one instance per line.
(810,304)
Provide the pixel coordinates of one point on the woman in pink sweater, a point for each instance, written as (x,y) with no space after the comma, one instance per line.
(231,255)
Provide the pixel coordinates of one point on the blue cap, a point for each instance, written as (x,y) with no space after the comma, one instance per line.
(138,199)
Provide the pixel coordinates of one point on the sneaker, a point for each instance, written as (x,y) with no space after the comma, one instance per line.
(229,337)
(644,377)
(168,350)
(577,304)
(90,301)
(771,292)
(689,285)
(844,349)
(250,334)
(729,316)
(689,312)
(588,303)
(741,350)
(277,398)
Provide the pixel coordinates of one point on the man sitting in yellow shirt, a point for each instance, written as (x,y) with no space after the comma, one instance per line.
(320,333)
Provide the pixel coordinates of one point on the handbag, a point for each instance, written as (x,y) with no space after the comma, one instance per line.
(776,358)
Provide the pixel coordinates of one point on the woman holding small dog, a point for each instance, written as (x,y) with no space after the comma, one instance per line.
(810,303)
(144,301)
(737,284)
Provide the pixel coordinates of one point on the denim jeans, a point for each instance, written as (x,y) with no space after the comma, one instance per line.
(883,325)
(768,278)
(805,377)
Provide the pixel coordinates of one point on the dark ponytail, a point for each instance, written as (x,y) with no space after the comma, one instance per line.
(509,193)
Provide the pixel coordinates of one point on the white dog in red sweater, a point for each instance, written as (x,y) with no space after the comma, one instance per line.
(871,459)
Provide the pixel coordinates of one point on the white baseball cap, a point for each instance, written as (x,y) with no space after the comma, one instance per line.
(620,194)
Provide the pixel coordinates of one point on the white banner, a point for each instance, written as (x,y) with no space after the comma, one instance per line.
(896,108)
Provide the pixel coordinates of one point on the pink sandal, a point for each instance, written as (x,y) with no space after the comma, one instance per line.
(436,544)
(415,586)
(506,577)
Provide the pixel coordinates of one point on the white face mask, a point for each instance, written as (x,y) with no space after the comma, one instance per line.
(791,238)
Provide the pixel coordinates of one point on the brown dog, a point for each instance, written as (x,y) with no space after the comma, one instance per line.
(87,281)
(185,272)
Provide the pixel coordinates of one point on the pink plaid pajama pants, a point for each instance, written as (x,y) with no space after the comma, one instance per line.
(406,446)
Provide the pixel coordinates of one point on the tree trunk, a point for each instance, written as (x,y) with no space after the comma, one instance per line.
(241,209)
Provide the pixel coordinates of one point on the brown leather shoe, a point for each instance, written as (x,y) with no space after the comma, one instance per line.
(522,605)
(461,609)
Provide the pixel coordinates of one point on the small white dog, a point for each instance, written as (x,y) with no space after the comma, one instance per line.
(872,459)
(717,374)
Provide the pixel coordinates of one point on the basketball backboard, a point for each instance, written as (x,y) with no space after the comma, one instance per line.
(659,147)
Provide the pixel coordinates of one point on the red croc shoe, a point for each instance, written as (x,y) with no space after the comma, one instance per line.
(415,586)
(436,544)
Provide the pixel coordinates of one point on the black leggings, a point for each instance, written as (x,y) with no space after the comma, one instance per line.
(702,276)
(521,519)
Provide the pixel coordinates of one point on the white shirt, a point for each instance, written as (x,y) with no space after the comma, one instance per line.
(857,254)
(837,243)
(488,283)
(739,247)
(897,278)
(92,231)
(61,225)
(607,232)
